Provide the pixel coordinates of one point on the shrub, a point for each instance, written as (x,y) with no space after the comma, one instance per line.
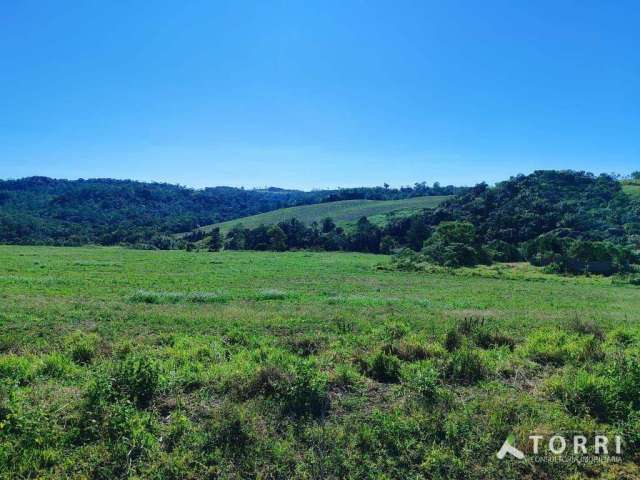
(305,345)
(137,378)
(306,393)
(452,340)
(15,368)
(55,365)
(130,436)
(547,347)
(470,325)
(454,245)
(488,339)
(384,368)
(624,372)
(585,327)
(229,430)
(609,393)
(82,347)
(466,366)
(395,330)
(344,377)
(442,464)
(621,337)
(268,381)
(583,392)
(408,351)
(424,380)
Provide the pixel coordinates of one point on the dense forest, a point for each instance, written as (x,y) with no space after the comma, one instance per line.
(563,220)
(40,210)
(386,193)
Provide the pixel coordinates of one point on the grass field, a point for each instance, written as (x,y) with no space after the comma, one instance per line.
(632,189)
(119,363)
(344,213)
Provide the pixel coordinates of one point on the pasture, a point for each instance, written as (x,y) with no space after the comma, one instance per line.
(344,213)
(119,363)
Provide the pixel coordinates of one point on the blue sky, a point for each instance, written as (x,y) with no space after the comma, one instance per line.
(318,94)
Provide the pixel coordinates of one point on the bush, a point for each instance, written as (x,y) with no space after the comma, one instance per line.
(136,378)
(556,347)
(424,380)
(229,431)
(584,327)
(609,393)
(384,368)
(487,339)
(16,369)
(454,245)
(305,345)
(466,367)
(409,351)
(452,340)
(583,392)
(82,347)
(55,365)
(547,347)
(306,393)
(268,381)
(395,330)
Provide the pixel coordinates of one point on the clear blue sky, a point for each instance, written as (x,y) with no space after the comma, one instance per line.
(318,94)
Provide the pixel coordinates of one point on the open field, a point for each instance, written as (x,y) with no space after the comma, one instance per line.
(632,189)
(344,213)
(119,363)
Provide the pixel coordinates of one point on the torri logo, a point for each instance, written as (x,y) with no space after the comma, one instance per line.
(560,445)
(508,448)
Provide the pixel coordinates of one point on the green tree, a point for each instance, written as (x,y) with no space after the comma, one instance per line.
(453,244)
(277,238)
(236,238)
(328,225)
(214,243)
(418,232)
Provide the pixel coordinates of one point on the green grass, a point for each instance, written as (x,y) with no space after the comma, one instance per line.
(345,213)
(119,363)
(632,189)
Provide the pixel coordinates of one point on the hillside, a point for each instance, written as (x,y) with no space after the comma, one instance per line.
(632,189)
(526,206)
(344,213)
(42,210)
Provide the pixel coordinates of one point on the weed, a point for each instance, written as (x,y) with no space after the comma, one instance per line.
(82,346)
(466,366)
(137,378)
(383,368)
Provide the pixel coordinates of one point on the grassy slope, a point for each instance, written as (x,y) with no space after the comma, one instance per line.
(632,189)
(344,213)
(275,306)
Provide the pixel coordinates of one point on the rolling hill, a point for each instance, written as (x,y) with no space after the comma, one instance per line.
(344,213)
(632,189)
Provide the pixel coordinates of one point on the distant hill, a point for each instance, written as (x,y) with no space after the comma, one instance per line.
(525,206)
(344,213)
(42,210)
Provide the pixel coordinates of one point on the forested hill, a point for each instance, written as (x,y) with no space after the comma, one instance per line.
(106,211)
(41,210)
(579,204)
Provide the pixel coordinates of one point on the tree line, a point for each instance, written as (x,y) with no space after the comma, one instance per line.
(46,211)
(564,220)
